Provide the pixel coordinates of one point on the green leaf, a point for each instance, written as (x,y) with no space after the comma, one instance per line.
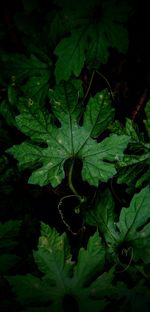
(133,176)
(70,140)
(103,286)
(71,56)
(95,255)
(22,67)
(133,170)
(98,112)
(36,88)
(102,216)
(97,51)
(92,35)
(62,279)
(33,121)
(135,298)
(30,290)
(132,224)
(56,27)
(135,215)
(30,75)
(53,257)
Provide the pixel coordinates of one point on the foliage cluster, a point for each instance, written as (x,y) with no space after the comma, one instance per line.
(68,241)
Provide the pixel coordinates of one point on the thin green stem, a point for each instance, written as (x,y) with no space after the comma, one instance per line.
(81,198)
(70,180)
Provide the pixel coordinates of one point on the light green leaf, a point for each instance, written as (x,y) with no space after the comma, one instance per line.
(70,140)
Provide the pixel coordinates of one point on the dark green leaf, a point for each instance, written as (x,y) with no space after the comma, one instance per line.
(103,217)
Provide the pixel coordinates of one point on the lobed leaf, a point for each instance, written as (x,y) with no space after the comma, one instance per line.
(70,140)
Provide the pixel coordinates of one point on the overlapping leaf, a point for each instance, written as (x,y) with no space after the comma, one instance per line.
(103,217)
(132,228)
(70,140)
(71,55)
(94,28)
(133,224)
(30,74)
(134,169)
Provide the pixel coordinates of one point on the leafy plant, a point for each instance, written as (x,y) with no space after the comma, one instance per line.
(83,285)
(59,132)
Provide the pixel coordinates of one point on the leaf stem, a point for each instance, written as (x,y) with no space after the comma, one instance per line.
(81,198)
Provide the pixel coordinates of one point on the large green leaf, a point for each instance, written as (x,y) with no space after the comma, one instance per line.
(70,140)
(62,279)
